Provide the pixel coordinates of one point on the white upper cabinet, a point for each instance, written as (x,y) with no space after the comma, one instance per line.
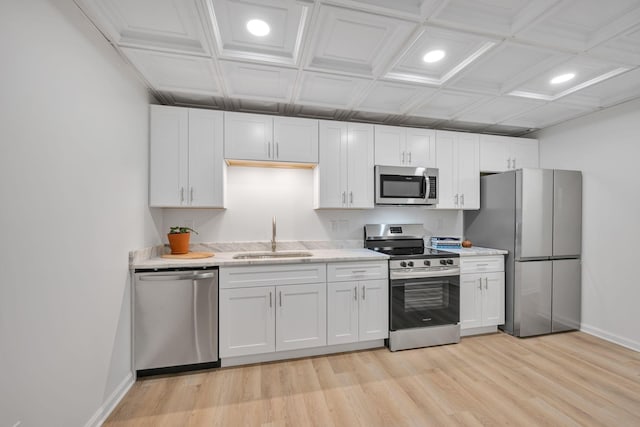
(344,176)
(186,162)
(398,146)
(458,161)
(268,138)
(503,153)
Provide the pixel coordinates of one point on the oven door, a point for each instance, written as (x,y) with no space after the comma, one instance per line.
(427,301)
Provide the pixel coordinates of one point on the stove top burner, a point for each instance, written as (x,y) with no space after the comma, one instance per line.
(408,245)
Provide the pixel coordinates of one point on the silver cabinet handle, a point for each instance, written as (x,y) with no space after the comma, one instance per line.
(486,283)
(351,197)
(269,149)
(363,292)
(181,194)
(480,285)
(277,150)
(344,195)
(509,163)
(514,162)
(462,199)
(355,293)
(191,195)
(270,299)
(409,157)
(457,199)
(403,157)
(280,298)
(358,271)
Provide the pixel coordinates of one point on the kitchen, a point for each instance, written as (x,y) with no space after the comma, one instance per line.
(76,185)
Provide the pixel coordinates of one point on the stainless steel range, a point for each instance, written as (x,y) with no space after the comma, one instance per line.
(424,285)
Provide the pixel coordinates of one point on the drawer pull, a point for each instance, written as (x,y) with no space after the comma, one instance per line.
(358,271)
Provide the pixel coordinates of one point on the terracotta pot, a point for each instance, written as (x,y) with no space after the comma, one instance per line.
(179,243)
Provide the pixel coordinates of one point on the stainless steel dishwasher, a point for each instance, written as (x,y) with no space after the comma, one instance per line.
(175,320)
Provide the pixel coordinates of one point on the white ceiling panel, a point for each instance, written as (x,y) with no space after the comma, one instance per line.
(259,82)
(610,92)
(502,17)
(461,49)
(355,42)
(547,115)
(170,72)
(286,19)
(393,98)
(587,71)
(446,104)
(330,90)
(506,66)
(173,25)
(498,109)
(362,59)
(581,24)
(624,49)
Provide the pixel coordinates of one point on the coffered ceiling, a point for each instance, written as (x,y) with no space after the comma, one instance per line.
(362,60)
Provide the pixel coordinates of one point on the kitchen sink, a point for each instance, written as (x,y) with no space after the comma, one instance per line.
(267,255)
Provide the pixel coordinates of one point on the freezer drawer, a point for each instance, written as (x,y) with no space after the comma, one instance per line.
(175,318)
(532,299)
(567,285)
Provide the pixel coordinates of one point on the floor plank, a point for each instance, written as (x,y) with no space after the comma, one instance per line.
(569,379)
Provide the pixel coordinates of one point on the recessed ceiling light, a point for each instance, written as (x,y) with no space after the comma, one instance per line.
(562,78)
(433,56)
(258,27)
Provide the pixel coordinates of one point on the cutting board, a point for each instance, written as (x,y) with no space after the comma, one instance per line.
(190,255)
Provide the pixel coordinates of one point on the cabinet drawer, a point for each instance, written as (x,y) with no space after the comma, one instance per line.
(343,271)
(481,264)
(271,275)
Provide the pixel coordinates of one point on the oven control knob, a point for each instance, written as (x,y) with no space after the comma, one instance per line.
(410,263)
(443,262)
(450,261)
(427,263)
(403,264)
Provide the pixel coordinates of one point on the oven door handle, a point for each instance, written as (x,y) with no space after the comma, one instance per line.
(394,275)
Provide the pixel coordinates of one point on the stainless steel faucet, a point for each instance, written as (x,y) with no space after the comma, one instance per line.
(273,234)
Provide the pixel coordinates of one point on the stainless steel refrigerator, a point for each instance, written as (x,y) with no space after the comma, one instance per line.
(535,214)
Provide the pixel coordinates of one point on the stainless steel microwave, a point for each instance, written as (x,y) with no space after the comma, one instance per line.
(396,185)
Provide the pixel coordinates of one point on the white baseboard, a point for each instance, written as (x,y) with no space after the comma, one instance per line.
(112,401)
(616,339)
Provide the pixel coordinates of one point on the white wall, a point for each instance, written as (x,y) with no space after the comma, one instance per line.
(605,146)
(254,195)
(73,184)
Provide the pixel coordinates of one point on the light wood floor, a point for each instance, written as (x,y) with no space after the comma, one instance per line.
(570,379)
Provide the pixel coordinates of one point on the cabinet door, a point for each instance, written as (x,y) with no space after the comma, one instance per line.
(295,140)
(301,316)
(468,171)
(248,136)
(330,176)
(471,300)
(360,166)
(390,143)
(421,148)
(493,299)
(445,161)
(342,312)
(524,153)
(495,153)
(168,156)
(206,162)
(374,310)
(247,321)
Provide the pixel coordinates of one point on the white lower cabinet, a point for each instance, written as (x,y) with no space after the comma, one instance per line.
(481,294)
(357,303)
(301,316)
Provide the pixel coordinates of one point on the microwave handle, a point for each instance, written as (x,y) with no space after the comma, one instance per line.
(426,186)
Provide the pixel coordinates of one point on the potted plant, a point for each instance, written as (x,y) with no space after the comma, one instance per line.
(179,239)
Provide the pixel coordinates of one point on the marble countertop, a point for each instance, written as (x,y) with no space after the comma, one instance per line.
(477,251)
(226,259)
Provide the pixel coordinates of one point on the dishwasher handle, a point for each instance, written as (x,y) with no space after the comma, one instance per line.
(172,277)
